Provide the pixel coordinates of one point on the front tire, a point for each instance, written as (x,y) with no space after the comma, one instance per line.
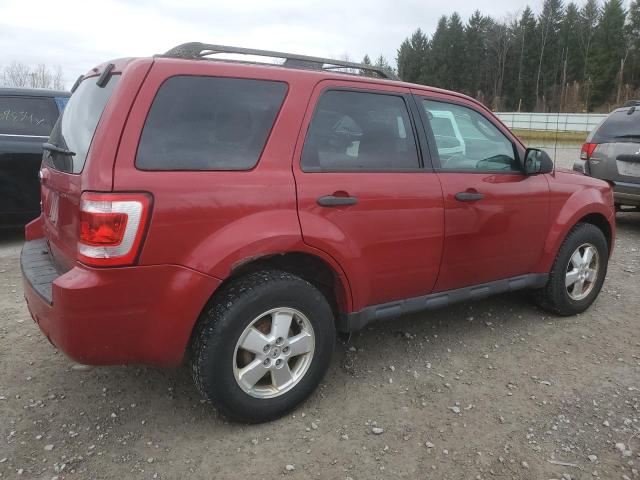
(262,345)
(578,272)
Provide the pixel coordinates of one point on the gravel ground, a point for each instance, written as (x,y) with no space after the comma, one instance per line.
(493,389)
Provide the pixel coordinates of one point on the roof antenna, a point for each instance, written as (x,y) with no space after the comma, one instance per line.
(555,145)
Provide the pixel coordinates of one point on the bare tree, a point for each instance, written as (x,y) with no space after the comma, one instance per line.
(15,74)
(58,79)
(41,77)
(20,75)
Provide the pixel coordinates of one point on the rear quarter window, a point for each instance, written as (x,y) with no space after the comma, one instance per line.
(209,123)
(30,116)
(621,125)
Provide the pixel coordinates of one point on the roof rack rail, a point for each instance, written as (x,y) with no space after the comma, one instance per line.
(632,103)
(195,50)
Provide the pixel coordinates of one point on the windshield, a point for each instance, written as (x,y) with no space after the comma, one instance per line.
(75,129)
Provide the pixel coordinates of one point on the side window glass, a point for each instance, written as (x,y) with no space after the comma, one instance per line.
(209,123)
(359,131)
(468,141)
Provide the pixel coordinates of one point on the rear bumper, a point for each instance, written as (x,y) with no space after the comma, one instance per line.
(626,193)
(140,314)
(581,166)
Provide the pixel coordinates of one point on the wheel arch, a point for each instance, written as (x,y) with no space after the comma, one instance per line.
(325,274)
(597,214)
(600,221)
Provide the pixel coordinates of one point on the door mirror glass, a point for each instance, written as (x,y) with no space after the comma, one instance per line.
(537,161)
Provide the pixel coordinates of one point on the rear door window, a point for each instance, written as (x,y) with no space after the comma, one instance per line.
(77,125)
(360,131)
(27,116)
(209,123)
(622,125)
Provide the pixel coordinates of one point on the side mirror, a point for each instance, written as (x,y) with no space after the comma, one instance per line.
(537,161)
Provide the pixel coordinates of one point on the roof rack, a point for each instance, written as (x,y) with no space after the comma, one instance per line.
(632,103)
(195,50)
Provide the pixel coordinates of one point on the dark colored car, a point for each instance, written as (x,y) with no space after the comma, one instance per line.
(612,152)
(240,214)
(27,116)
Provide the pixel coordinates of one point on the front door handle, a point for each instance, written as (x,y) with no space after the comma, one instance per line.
(333,201)
(469,196)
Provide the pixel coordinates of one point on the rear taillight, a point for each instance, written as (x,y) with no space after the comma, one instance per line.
(111,227)
(587,150)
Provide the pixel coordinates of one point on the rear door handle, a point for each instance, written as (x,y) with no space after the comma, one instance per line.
(469,196)
(333,201)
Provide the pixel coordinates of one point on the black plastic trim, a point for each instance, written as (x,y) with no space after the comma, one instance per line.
(358,320)
(333,201)
(38,267)
(103,79)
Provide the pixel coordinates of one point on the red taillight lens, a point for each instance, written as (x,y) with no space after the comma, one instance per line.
(111,227)
(587,150)
(102,228)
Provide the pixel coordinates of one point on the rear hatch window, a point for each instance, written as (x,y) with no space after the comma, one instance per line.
(27,116)
(75,129)
(622,125)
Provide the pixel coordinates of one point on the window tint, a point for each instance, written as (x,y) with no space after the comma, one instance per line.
(360,131)
(27,116)
(467,141)
(622,125)
(77,125)
(209,123)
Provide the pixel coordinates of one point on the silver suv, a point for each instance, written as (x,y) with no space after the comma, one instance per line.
(612,153)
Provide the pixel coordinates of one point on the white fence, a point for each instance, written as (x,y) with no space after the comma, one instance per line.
(557,122)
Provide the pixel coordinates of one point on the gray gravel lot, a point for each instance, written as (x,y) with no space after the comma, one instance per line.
(494,389)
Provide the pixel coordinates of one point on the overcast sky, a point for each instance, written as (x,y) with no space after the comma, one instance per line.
(78,34)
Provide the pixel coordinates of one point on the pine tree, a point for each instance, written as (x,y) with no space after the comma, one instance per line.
(456,44)
(548,32)
(412,57)
(632,35)
(383,64)
(571,60)
(527,61)
(608,52)
(476,53)
(436,68)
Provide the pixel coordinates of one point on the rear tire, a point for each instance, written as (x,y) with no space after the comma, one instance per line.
(578,272)
(243,362)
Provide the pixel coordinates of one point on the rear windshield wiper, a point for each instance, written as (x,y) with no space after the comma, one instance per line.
(54,148)
(629,135)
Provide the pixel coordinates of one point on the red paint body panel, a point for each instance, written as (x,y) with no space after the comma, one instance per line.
(97,175)
(122,315)
(498,237)
(572,197)
(407,236)
(390,242)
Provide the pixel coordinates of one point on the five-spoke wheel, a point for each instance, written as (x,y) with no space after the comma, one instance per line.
(582,271)
(263,345)
(274,352)
(578,271)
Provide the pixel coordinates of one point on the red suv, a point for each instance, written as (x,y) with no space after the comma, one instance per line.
(239,214)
